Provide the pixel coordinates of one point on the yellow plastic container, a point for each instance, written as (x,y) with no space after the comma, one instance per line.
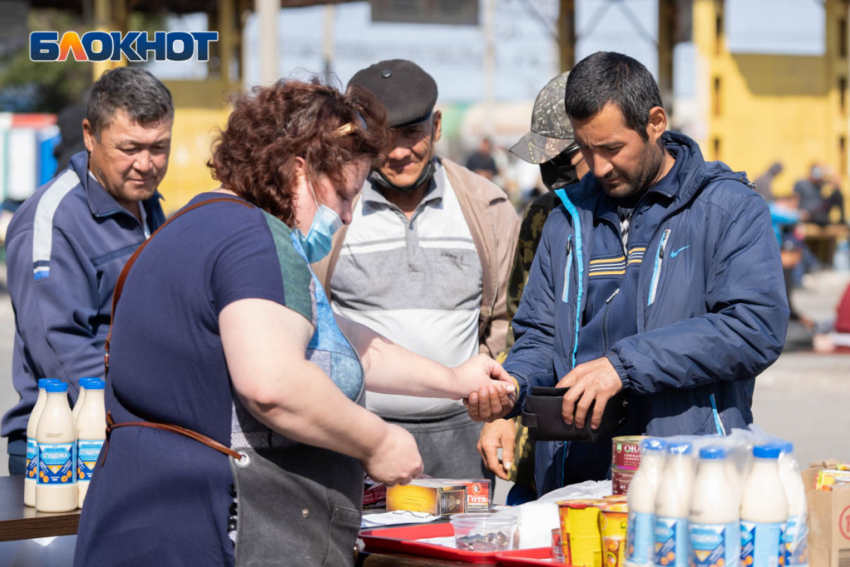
(613,524)
(580,535)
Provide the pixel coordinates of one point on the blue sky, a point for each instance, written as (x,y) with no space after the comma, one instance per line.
(525,50)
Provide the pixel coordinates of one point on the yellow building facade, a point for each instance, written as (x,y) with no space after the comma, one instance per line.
(760,109)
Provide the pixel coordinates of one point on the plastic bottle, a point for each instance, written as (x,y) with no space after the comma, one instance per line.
(81,398)
(641,500)
(672,505)
(737,475)
(30,479)
(796,531)
(91,432)
(714,528)
(764,511)
(56,490)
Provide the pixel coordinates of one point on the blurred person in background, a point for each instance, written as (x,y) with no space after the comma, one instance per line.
(659,274)
(481,161)
(785,215)
(71,139)
(819,193)
(223,330)
(67,244)
(764,182)
(834,336)
(551,146)
(425,262)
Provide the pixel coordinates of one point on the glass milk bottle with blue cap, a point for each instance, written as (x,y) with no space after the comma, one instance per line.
(640,540)
(714,527)
(56,488)
(764,511)
(91,432)
(672,505)
(30,479)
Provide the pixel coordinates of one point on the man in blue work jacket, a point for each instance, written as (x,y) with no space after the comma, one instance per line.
(658,274)
(67,244)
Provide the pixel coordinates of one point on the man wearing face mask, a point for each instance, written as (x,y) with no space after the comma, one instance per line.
(659,275)
(551,145)
(425,262)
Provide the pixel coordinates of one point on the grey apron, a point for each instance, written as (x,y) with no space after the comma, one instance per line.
(298,506)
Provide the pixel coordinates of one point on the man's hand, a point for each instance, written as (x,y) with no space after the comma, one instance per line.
(488,391)
(498,434)
(594,380)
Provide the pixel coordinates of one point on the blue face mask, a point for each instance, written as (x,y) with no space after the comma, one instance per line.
(319,240)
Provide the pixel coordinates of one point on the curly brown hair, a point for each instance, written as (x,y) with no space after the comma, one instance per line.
(270,127)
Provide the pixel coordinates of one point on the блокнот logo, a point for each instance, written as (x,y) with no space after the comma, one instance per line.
(111,46)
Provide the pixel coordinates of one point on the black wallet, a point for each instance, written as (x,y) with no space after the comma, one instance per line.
(542,415)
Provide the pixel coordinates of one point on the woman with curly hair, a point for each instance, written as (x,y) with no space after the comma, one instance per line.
(237,432)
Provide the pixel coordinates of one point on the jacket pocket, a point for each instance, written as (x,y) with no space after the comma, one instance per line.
(656,270)
(568,269)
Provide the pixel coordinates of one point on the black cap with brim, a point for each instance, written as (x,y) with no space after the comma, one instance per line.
(407,92)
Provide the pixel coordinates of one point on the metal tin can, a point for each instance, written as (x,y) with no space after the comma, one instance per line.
(626,453)
(557,547)
(620,480)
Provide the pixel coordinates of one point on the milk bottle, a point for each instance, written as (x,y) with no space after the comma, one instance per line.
(714,528)
(56,490)
(641,500)
(32,445)
(796,532)
(764,511)
(91,432)
(81,398)
(672,506)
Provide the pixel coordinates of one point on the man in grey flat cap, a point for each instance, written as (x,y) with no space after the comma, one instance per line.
(425,262)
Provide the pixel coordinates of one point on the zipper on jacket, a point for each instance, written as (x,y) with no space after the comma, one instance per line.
(718,425)
(605,321)
(565,297)
(656,271)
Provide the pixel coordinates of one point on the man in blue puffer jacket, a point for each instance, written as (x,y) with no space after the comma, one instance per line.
(659,274)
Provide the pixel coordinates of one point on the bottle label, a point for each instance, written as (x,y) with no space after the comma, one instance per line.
(796,541)
(671,542)
(56,463)
(760,544)
(714,545)
(87,454)
(639,538)
(32,458)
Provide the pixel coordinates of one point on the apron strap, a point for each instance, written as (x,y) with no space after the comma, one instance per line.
(116,296)
(211,443)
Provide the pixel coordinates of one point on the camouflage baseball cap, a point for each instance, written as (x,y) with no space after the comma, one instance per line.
(551,132)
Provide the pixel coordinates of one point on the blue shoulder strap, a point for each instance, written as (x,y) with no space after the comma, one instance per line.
(571,209)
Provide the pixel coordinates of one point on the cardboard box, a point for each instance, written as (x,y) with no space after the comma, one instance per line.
(829,522)
(477,494)
(430,496)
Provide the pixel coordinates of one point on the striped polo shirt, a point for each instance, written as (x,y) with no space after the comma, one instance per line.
(415,281)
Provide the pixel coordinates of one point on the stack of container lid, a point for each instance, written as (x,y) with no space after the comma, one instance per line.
(625,461)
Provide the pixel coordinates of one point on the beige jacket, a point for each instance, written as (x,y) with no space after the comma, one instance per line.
(494,225)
